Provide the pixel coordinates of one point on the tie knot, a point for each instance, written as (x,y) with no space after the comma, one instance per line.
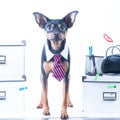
(57,57)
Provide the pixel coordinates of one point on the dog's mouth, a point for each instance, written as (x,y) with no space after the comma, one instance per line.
(56,39)
(56,45)
(56,36)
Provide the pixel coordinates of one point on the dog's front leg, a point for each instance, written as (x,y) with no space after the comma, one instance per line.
(64,114)
(47,66)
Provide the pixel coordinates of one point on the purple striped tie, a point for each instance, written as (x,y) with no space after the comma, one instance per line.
(58,71)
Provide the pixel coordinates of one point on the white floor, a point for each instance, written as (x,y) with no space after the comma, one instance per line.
(55,113)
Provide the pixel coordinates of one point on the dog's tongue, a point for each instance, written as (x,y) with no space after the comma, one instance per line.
(55,42)
(56,45)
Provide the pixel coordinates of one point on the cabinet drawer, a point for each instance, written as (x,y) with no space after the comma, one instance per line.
(12,61)
(101,95)
(12,96)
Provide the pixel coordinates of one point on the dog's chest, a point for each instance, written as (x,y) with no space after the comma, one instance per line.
(49,55)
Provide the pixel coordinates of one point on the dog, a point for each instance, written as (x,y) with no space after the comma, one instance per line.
(56,31)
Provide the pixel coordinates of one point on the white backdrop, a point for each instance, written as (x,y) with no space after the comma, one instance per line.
(95,18)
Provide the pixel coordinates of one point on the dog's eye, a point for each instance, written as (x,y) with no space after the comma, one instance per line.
(62,28)
(49,28)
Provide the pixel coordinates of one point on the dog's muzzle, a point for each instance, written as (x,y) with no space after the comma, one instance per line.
(56,37)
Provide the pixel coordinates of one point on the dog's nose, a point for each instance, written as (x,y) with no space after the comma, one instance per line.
(56,33)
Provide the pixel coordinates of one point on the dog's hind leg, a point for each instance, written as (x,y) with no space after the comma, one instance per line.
(69,103)
(40,104)
(42,96)
(44,99)
(64,114)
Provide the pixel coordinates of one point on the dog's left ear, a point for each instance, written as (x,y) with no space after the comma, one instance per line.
(40,19)
(70,18)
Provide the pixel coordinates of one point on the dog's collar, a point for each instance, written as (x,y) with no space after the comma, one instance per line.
(50,55)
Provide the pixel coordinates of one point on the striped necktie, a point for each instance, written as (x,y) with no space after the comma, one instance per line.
(58,71)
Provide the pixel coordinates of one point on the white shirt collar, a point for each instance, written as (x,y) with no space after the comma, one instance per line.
(49,54)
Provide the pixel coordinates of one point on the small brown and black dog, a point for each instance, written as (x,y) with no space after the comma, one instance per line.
(55,30)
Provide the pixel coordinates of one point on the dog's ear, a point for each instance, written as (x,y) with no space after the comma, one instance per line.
(40,19)
(70,18)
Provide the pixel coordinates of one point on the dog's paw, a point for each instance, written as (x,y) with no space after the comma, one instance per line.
(70,105)
(46,113)
(64,115)
(40,106)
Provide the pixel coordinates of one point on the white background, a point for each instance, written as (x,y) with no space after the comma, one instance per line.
(95,18)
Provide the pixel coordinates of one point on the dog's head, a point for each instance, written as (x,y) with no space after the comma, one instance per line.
(55,29)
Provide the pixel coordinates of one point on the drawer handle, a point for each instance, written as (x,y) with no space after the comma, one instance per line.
(2,95)
(2,59)
(109,96)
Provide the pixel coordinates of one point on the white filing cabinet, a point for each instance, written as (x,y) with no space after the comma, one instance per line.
(101,94)
(12,98)
(12,75)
